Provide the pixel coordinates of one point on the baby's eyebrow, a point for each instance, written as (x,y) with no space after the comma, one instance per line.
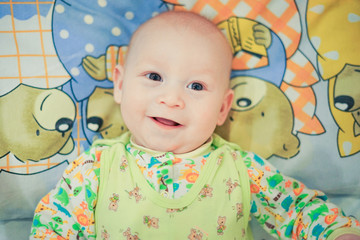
(207,72)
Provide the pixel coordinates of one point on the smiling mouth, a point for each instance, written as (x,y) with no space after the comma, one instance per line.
(166,122)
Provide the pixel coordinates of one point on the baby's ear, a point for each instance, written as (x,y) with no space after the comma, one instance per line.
(225,107)
(118,81)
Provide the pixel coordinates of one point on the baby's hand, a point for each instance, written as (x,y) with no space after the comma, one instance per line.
(95,67)
(348,237)
(262,35)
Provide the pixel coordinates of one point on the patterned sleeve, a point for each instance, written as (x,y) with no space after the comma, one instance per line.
(286,209)
(67,211)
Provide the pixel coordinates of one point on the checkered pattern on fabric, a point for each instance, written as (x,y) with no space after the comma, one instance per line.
(36,63)
(26,48)
(114,55)
(28,56)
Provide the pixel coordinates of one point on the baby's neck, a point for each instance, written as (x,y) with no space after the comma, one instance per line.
(203,147)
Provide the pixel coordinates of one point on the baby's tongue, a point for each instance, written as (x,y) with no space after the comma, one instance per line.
(166,121)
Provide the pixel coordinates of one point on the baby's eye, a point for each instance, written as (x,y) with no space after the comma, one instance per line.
(196,86)
(153,76)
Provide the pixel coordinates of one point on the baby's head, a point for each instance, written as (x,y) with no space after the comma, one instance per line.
(174,86)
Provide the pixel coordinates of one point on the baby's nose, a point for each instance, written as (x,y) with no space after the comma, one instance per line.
(172,98)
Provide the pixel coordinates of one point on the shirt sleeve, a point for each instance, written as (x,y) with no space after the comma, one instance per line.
(286,209)
(67,211)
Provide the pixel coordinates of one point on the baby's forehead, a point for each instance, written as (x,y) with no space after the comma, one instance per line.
(183,23)
(177,30)
(185,20)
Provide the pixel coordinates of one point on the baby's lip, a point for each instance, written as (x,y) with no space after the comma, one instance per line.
(166,122)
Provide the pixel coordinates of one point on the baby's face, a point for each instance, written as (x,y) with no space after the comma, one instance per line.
(175,88)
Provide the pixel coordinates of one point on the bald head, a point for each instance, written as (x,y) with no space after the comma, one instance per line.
(174,87)
(184,23)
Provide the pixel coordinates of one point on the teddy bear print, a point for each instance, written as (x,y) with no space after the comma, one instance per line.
(105,235)
(234,155)
(231,186)
(124,164)
(239,211)
(136,194)
(221,225)
(219,160)
(114,202)
(151,222)
(195,234)
(172,211)
(206,191)
(129,236)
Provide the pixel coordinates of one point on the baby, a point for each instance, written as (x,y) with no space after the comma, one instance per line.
(170,176)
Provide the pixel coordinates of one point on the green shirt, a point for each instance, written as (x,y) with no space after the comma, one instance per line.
(217,205)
